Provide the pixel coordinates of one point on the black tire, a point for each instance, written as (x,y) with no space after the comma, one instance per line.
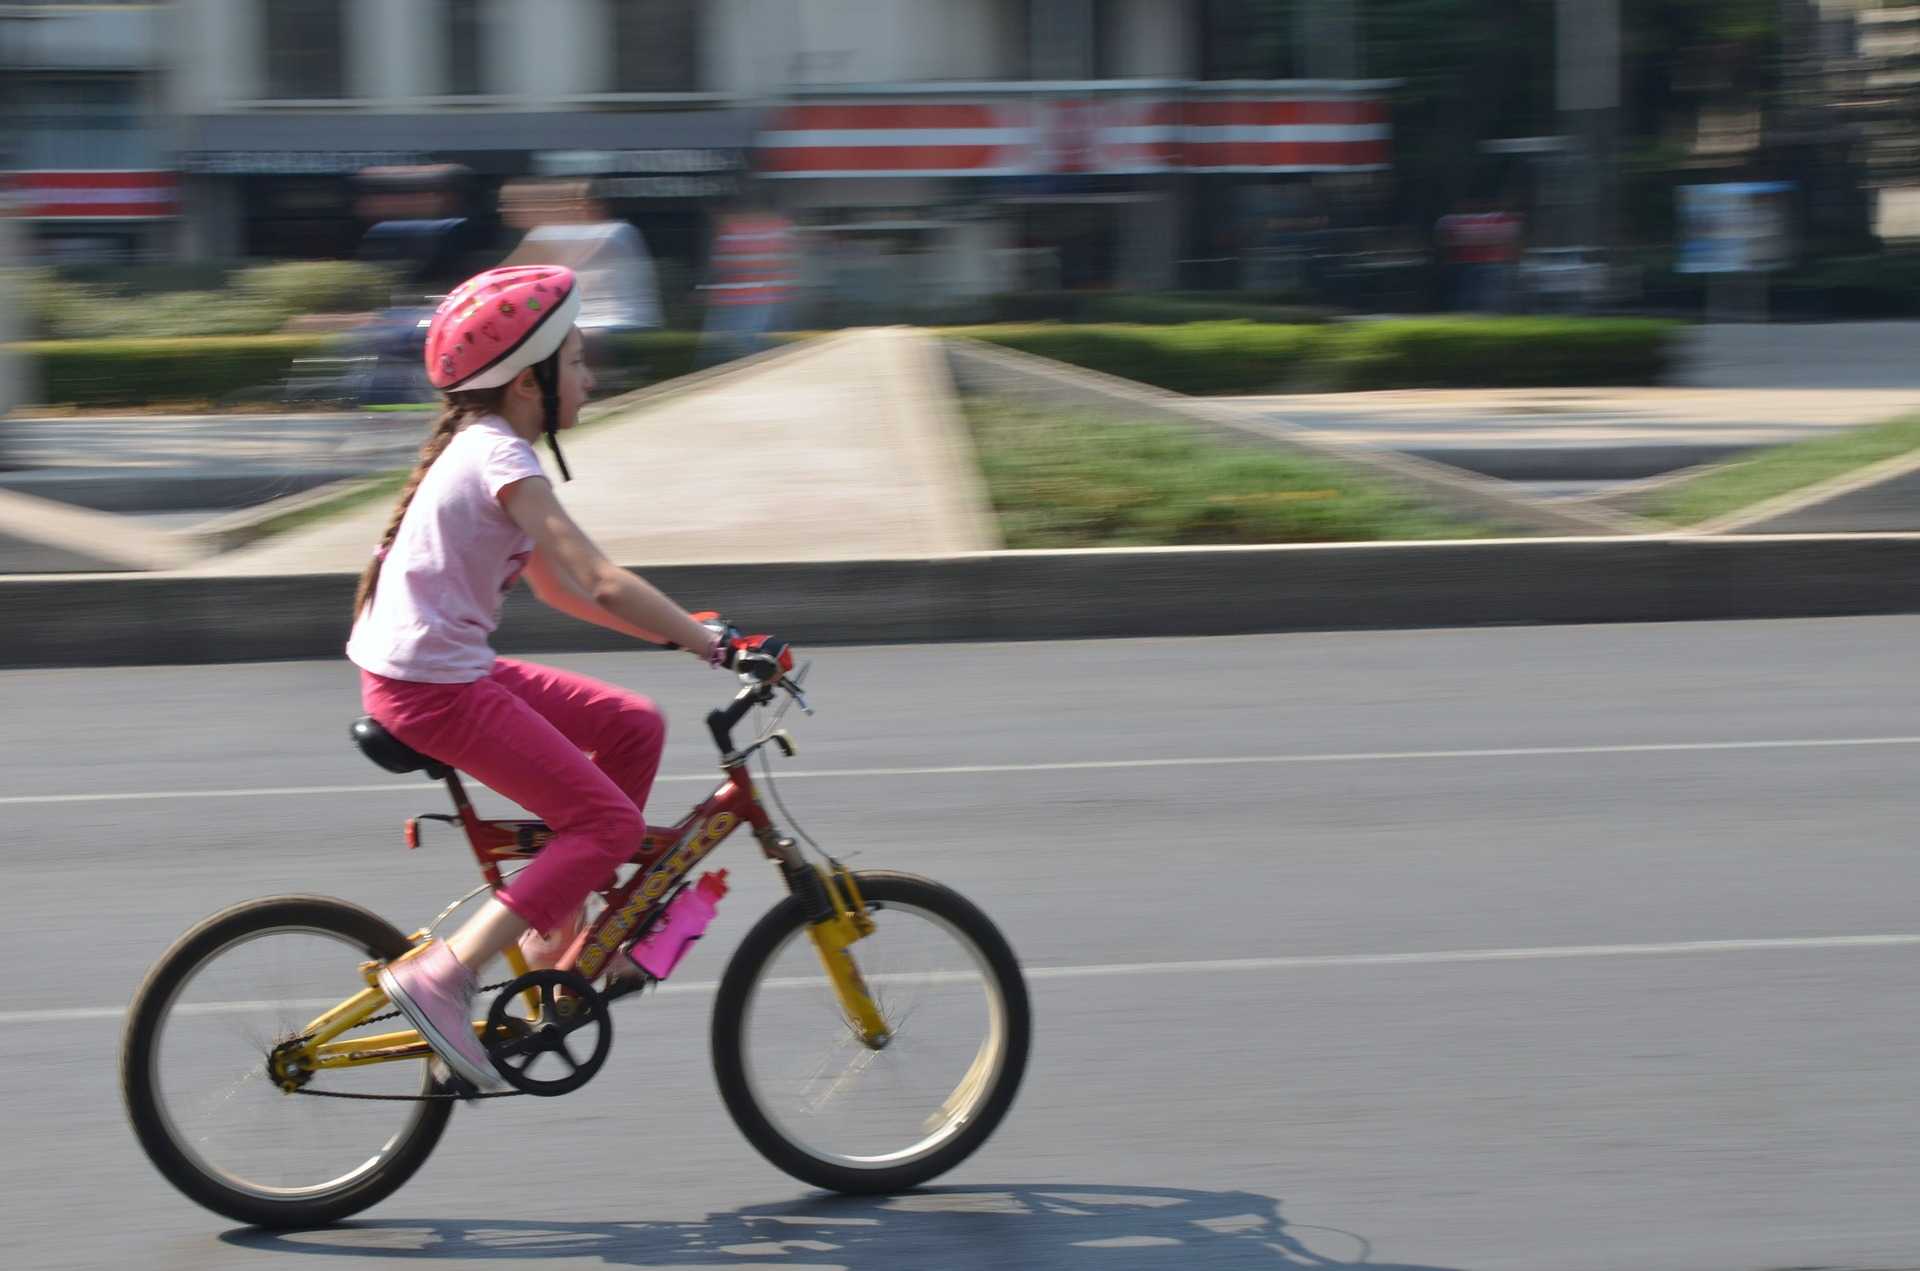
(749,965)
(139,1066)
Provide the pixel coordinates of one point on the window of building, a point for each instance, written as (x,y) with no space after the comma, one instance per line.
(1109,39)
(1014,39)
(656,46)
(81,122)
(306,48)
(1247,39)
(465,46)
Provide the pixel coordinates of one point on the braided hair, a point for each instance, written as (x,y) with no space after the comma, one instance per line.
(460,407)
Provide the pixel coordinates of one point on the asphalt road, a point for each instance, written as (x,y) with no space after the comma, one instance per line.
(1625,873)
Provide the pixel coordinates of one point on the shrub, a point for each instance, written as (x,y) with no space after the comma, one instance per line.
(1153,308)
(1247,357)
(316,286)
(129,372)
(258,301)
(1499,352)
(1169,310)
(138,372)
(1196,358)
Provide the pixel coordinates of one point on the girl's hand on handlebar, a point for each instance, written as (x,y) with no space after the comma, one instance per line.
(763,658)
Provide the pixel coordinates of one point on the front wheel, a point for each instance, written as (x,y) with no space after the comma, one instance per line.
(822,1105)
(194,1068)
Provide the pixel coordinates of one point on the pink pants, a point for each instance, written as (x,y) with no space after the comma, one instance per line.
(578,754)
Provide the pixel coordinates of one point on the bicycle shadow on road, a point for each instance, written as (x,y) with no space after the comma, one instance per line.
(1063,1228)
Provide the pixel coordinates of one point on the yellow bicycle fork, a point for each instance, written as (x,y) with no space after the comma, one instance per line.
(832,937)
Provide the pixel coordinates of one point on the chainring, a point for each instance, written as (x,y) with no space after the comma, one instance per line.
(516,1045)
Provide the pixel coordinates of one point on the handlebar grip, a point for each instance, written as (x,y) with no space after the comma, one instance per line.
(720,722)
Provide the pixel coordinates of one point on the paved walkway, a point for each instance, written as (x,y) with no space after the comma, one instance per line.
(843,449)
(1584,416)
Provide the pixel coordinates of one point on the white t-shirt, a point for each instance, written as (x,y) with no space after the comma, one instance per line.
(455,558)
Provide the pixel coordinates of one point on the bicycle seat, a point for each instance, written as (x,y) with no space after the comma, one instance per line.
(381,746)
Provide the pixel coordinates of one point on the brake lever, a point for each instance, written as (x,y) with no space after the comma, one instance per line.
(799,698)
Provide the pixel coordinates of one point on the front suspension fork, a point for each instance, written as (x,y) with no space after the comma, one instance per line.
(837,918)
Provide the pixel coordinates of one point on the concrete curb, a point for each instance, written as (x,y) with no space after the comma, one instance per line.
(42,534)
(237,529)
(102,620)
(928,408)
(993,371)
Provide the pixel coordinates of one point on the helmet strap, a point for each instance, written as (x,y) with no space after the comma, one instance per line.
(546,373)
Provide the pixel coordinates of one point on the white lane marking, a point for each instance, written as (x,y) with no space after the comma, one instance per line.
(1218,966)
(1088,765)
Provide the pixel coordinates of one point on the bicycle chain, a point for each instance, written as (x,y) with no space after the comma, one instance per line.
(410,1098)
(375,1019)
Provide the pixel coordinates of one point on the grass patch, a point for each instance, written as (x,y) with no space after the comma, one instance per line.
(383,487)
(236,531)
(1061,478)
(1779,470)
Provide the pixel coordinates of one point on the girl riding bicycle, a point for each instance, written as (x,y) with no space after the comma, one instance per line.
(477,514)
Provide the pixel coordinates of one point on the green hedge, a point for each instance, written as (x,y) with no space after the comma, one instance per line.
(1499,352)
(1150,308)
(139,372)
(212,368)
(649,357)
(1245,357)
(1201,357)
(1196,358)
(255,301)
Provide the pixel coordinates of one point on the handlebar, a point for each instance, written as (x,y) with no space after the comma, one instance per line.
(721,723)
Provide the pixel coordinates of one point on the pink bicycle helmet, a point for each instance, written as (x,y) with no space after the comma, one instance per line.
(497,324)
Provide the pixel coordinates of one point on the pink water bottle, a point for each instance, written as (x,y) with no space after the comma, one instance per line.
(661,949)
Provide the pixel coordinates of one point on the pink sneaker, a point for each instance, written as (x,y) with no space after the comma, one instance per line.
(433,989)
(543,951)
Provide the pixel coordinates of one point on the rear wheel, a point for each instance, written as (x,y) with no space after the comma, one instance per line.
(821,1104)
(194,1068)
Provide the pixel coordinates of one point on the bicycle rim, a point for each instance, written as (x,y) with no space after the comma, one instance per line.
(223,1111)
(831,1096)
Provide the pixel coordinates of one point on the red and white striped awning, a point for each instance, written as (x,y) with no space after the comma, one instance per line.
(1095,135)
(93,196)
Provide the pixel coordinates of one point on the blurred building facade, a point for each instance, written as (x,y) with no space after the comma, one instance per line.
(924,148)
(280,103)
(958,150)
(82,129)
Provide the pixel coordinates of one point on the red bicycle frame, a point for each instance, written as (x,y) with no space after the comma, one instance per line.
(664,857)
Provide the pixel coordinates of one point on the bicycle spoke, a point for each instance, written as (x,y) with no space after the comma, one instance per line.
(220,1102)
(825,1089)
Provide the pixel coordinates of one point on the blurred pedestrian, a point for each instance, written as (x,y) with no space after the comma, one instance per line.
(751,275)
(1480,244)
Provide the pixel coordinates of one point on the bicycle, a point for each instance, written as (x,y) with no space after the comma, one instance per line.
(308,1119)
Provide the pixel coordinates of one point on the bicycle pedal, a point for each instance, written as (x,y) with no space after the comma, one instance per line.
(451,1082)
